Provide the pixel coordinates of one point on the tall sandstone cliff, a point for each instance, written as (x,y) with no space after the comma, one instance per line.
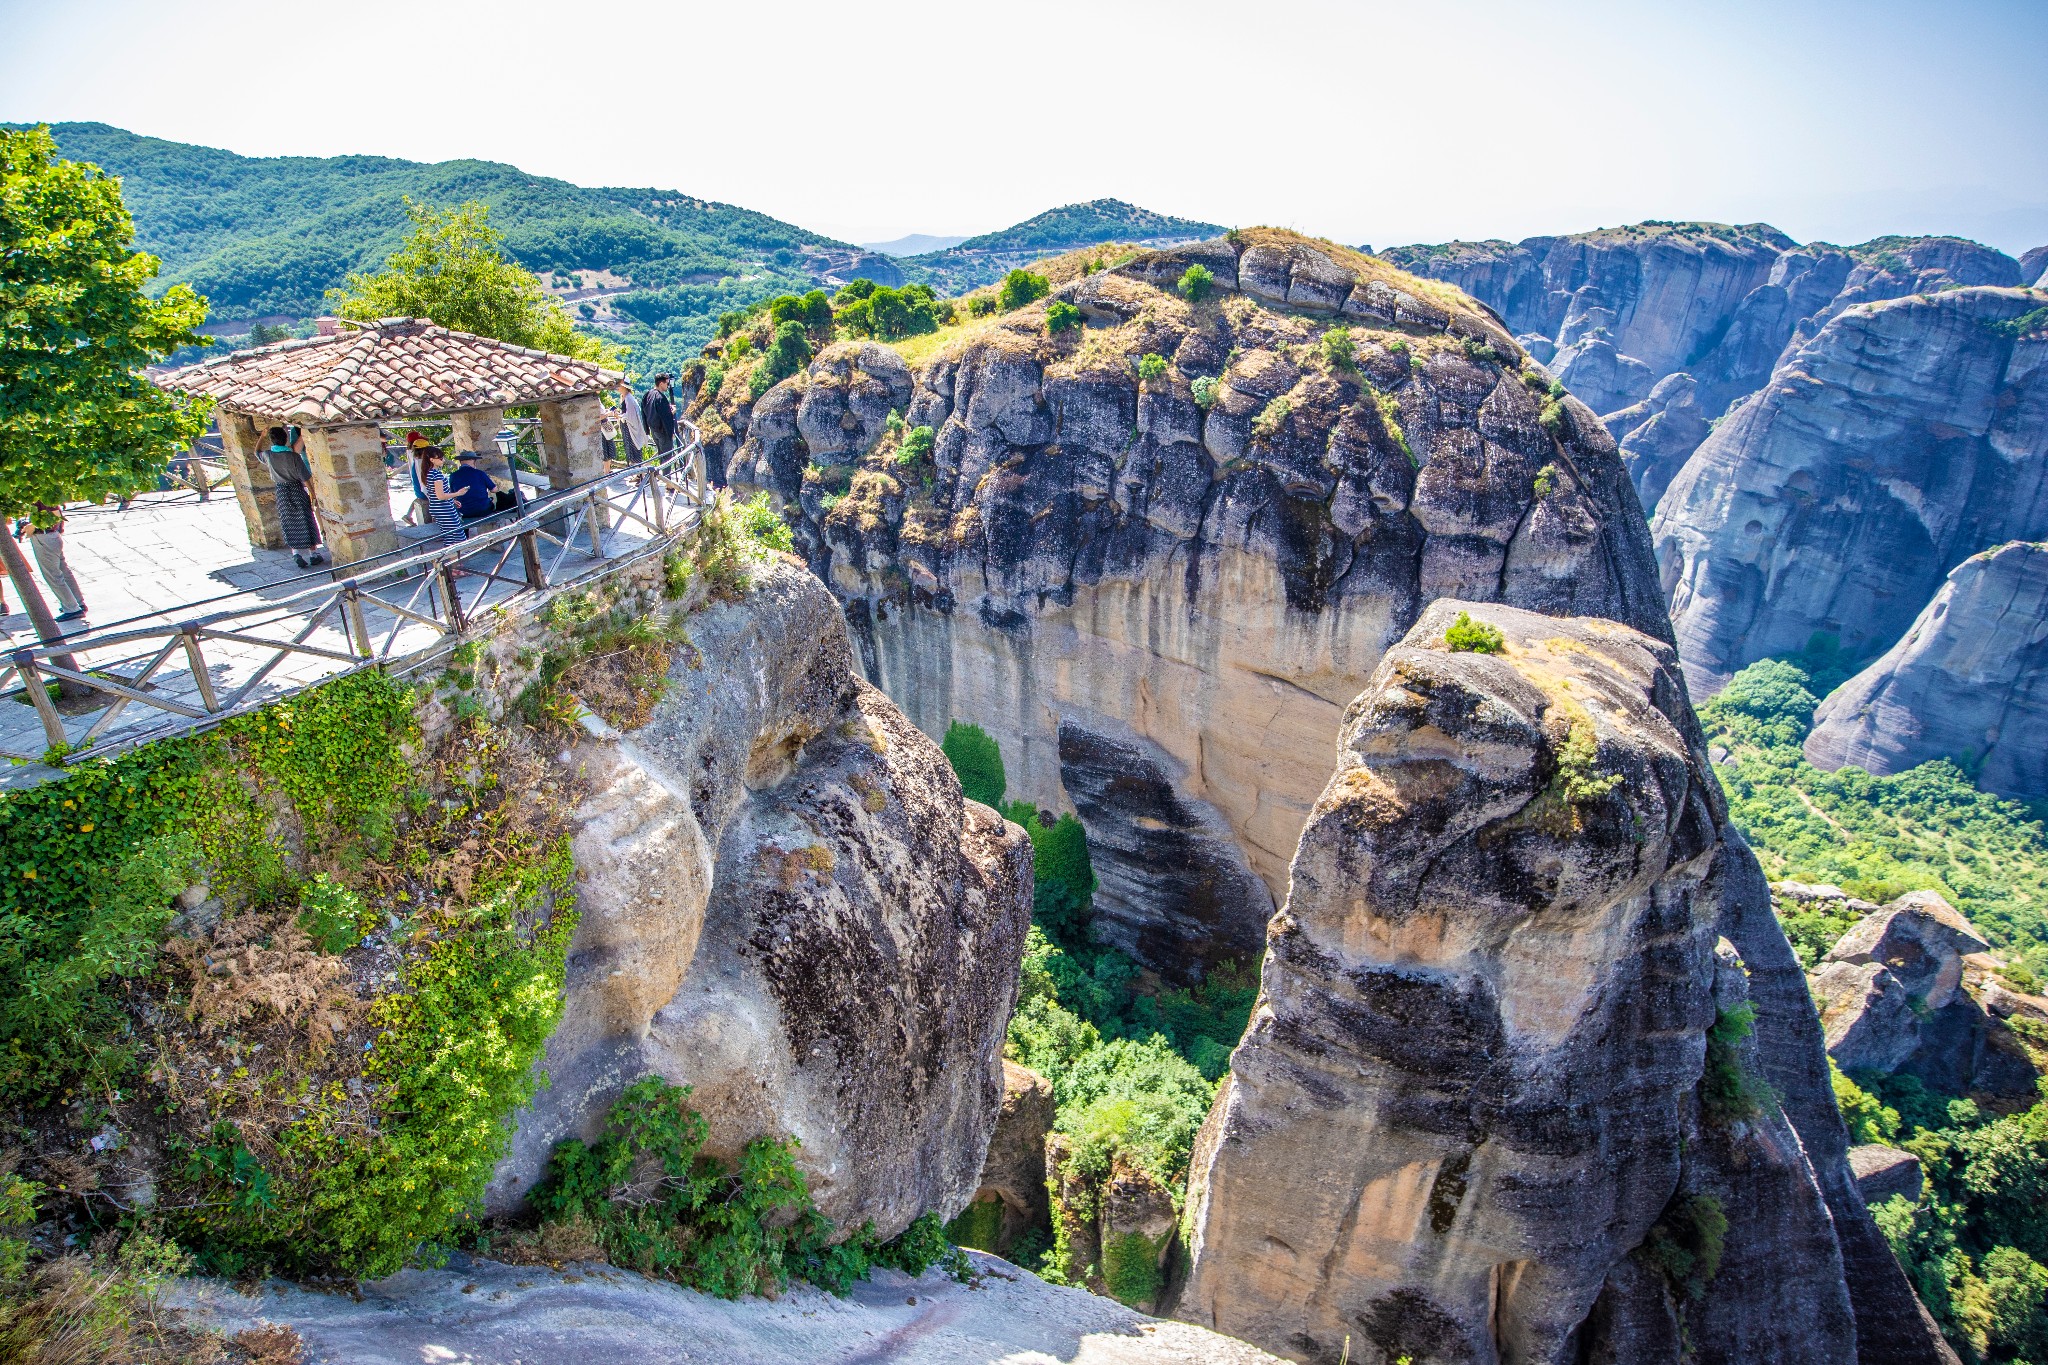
(787,905)
(1618,312)
(1904,437)
(1478,1116)
(1968,682)
(1158,602)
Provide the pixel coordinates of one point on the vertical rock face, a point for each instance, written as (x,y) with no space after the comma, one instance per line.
(1905,436)
(1968,681)
(788,906)
(1109,571)
(1470,1102)
(1623,309)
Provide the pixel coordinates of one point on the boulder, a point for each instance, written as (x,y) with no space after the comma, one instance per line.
(1968,681)
(1882,1172)
(1496,956)
(788,906)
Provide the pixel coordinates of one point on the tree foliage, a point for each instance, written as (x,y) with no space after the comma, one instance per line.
(452,268)
(978,760)
(1020,287)
(79,421)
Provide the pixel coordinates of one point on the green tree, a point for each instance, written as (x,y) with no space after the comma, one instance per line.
(79,420)
(978,760)
(1019,288)
(452,268)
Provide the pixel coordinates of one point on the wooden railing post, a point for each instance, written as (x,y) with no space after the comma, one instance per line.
(529,554)
(444,571)
(595,521)
(196,661)
(39,697)
(656,499)
(358,625)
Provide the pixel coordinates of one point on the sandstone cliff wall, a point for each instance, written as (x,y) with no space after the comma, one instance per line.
(1160,603)
(787,905)
(1498,957)
(1903,438)
(1968,681)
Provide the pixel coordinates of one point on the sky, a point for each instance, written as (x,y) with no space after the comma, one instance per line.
(1367,122)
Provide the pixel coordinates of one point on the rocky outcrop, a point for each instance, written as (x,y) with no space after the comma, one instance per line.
(1894,997)
(1900,439)
(1012,1196)
(476,1310)
(1157,598)
(1968,681)
(787,906)
(1623,309)
(1660,433)
(1498,955)
(1882,1172)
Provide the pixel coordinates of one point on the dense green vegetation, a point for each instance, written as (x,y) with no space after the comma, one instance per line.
(644,1197)
(1975,1246)
(265,237)
(983,260)
(1876,837)
(1133,1064)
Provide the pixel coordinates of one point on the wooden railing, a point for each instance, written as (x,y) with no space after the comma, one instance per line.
(189,673)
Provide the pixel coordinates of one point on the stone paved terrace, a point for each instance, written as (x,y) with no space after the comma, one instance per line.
(170,557)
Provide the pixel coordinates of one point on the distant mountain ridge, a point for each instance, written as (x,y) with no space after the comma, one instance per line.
(986,258)
(914,244)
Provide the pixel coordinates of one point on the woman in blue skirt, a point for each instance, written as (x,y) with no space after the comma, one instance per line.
(441,504)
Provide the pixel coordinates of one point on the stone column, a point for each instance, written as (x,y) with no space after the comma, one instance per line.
(571,439)
(349,491)
(243,442)
(478,431)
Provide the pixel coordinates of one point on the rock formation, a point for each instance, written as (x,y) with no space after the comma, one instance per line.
(1899,993)
(1622,309)
(1498,955)
(1903,437)
(1158,598)
(787,905)
(1882,1172)
(1968,682)
(1012,1195)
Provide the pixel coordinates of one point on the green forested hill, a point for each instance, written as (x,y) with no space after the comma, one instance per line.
(985,259)
(265,237)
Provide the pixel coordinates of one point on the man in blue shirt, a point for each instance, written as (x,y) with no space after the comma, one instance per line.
(476,494)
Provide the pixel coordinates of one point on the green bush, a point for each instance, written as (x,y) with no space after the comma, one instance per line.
(1063,888)
(1195,283)
(1727,1090)
(1061,316)
(758,520)
(1138,1101)
(1272,418)
(1151,366)
(890,314)
(1207,390)
(1687,1242)
(978,762)
(1480,351)
(1020,287)
(1390,417)
(1868,1118)
(1339,350)
(1546,481)
(1467,636)
(917,444)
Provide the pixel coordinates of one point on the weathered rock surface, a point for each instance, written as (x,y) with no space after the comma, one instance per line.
(1882,1172)
(1627,308)
(1902,438)
(1013,1174)
(481,1311)
(1968,681)
(787,905)
(1498,956)
(1894,998)
(1094,563)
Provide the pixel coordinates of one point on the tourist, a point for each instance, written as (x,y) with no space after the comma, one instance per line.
(658,414)
(476,492)
(44,532)
(632,430)
(294,477)
(440,496)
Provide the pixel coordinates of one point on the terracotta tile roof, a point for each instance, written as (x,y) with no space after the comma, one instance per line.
(389,370)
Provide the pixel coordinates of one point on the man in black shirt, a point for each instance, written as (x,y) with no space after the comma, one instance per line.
(658,414)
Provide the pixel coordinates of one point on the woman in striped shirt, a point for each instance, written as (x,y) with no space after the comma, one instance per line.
(441,503)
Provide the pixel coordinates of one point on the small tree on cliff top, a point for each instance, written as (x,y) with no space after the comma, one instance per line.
(452,268)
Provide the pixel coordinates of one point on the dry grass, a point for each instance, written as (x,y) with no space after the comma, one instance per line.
(260,968)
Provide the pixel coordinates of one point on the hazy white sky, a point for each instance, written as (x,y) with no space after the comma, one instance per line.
(1365,121)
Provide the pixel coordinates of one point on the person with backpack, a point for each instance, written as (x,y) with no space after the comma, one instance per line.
(658,415)
(294,497)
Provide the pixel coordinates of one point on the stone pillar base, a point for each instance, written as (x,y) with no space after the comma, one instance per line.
(243,443)
(349,491)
